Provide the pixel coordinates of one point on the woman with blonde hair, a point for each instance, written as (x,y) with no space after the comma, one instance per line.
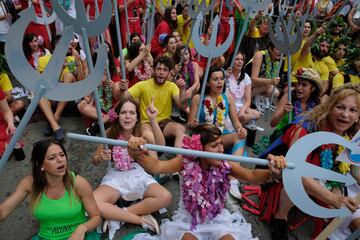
(339,115)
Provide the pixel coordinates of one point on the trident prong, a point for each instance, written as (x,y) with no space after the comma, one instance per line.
(212,50)
(292,178)
(252,7)
(285,41)
(49,78)
(93,28)
(45,84)
(45,19)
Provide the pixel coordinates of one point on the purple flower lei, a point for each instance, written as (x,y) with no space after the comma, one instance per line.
(190,69)
(204,191)
(297,106)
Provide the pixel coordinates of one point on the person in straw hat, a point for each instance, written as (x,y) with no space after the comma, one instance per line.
(304,97)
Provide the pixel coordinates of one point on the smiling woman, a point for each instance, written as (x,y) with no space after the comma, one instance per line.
(58,197)
(340,115)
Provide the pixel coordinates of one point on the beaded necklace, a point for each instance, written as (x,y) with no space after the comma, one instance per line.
(105,95)
(271,69)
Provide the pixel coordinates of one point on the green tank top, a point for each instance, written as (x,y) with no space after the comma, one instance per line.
(59,218)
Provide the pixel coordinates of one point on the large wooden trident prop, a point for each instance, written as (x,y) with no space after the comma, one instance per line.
(47,84)
(286,41)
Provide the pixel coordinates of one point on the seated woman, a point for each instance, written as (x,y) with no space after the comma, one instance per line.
(264,73)
(125,178)
(170,46)
(239,87)
(33,50)
(189,71)
(58,197)
(339,115)
(108,92)
(216,107)
(73,70)
(138,63)
(162,30)
(304,98)
(204,186)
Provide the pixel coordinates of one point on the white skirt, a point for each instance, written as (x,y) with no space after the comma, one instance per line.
(223,224)
(131,184)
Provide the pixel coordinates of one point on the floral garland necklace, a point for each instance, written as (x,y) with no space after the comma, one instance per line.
(271,70)
(298,109)
(220,112)
(105,95)
(122,161)
(203,191)
(148,72)
(327,162)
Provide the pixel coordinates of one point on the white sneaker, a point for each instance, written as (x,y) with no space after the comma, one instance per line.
(149,222)
(234,189)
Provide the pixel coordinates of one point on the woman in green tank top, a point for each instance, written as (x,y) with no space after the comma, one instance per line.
(58,197)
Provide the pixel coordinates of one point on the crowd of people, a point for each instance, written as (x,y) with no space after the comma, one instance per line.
(158,101)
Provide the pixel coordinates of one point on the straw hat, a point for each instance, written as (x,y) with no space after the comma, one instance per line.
(311,75)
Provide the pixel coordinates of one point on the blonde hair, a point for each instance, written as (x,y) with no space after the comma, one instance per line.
(319,116)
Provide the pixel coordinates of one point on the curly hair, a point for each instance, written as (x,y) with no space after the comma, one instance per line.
(320,115)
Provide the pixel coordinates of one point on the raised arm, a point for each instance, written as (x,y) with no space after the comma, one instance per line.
(305,50)
(150,164)
(17,197)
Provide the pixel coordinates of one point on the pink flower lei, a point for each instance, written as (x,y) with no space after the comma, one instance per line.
(204,191)
(121,157)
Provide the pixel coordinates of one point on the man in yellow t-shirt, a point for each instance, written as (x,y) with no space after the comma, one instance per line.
(184,23)
(312,55)
(163,94)
(352,73)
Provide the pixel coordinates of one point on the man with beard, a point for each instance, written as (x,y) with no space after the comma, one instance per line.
(160,94)
(312,54)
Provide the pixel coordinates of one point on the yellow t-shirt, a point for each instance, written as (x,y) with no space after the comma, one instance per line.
(294,57)
(339,80)
(44,60)
(331,64)
(5,83)
(255,33)
(166,3)
(163,97)
(184,34)
(309,62)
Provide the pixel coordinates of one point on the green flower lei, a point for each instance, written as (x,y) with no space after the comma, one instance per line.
(271,70)
(105,95)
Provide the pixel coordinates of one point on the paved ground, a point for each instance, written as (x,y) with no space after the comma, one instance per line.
(20,224)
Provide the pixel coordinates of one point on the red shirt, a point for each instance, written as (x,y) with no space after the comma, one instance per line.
(92,8)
